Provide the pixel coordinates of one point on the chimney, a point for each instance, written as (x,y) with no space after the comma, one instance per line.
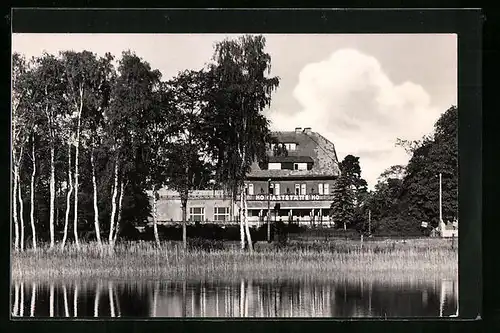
(298,129)
(307,130)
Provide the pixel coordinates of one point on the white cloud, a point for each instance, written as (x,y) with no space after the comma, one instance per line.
(350,100)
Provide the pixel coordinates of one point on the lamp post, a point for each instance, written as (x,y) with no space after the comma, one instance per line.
(268,210)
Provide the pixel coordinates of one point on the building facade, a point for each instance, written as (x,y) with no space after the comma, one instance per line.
(295,184)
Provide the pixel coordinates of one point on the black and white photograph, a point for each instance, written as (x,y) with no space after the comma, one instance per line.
(234,175)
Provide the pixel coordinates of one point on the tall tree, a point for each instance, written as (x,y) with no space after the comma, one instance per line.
(19,112)
(93,133)
(342,209)
(351,169)
(162,126)
(50,87)
(436,154)
(84,78)
(189,167)
(238,131)
(132,100)
(384,201)
(350,193)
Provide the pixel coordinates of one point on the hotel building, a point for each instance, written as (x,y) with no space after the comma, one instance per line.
(294,185)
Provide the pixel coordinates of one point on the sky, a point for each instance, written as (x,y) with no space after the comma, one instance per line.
(360,91)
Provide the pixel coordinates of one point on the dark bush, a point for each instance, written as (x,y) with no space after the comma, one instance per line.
(205,244)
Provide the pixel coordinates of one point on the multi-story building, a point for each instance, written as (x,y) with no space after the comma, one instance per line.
(299,179)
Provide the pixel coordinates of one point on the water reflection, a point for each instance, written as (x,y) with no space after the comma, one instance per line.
(243,298)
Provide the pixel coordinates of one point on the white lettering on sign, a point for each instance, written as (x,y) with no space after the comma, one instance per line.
(287,197)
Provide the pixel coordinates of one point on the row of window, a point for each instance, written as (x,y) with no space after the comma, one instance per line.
(300,189)
(289,146)
(296,166)
(197,214)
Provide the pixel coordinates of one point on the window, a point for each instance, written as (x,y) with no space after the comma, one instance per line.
(297,189)
(303,189)
(246,189)
(274,166)
(320,188)
(276,189)
(250,189)
(300,166)
(326,189)
(221,213)
(290,146)
(197,213)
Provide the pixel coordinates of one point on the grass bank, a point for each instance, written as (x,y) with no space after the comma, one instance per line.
(142,260)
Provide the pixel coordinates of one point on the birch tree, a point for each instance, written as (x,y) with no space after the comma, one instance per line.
(84,78)
(162,126)
(241,90)
(48,93)
(189,168)
(19,96)
(126,127)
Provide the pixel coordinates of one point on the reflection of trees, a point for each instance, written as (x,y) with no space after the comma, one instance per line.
(245,298)
(65,295)
(33,297)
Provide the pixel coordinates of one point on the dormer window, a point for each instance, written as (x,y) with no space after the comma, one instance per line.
(300,166)
(274,166)
(291,146)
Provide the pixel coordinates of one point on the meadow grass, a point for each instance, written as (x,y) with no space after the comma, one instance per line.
(143,260)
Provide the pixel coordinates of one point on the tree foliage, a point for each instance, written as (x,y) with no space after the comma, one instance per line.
(239,90)
(406,196)
(350,194)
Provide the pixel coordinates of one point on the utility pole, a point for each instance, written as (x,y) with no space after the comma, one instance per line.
(268,210)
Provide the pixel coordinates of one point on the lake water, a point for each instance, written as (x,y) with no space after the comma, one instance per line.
(243,298)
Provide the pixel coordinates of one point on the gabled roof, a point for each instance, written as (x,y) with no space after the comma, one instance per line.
(310,144)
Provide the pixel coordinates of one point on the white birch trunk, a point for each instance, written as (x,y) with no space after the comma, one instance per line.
(75,301)
(96,209)
(119,217)
(21,302)
(75,208)
(242,231)
(96,300)
(52,195)
(33,296)
(51,301)
(111,303)
(21,215)
(14,209)
(65,296)
(68,197)
(32,193)
(16,300)
(155,226)
(113,204)
(247,228)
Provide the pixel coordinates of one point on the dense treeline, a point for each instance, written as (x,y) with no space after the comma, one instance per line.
(405,195)
(93,135)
